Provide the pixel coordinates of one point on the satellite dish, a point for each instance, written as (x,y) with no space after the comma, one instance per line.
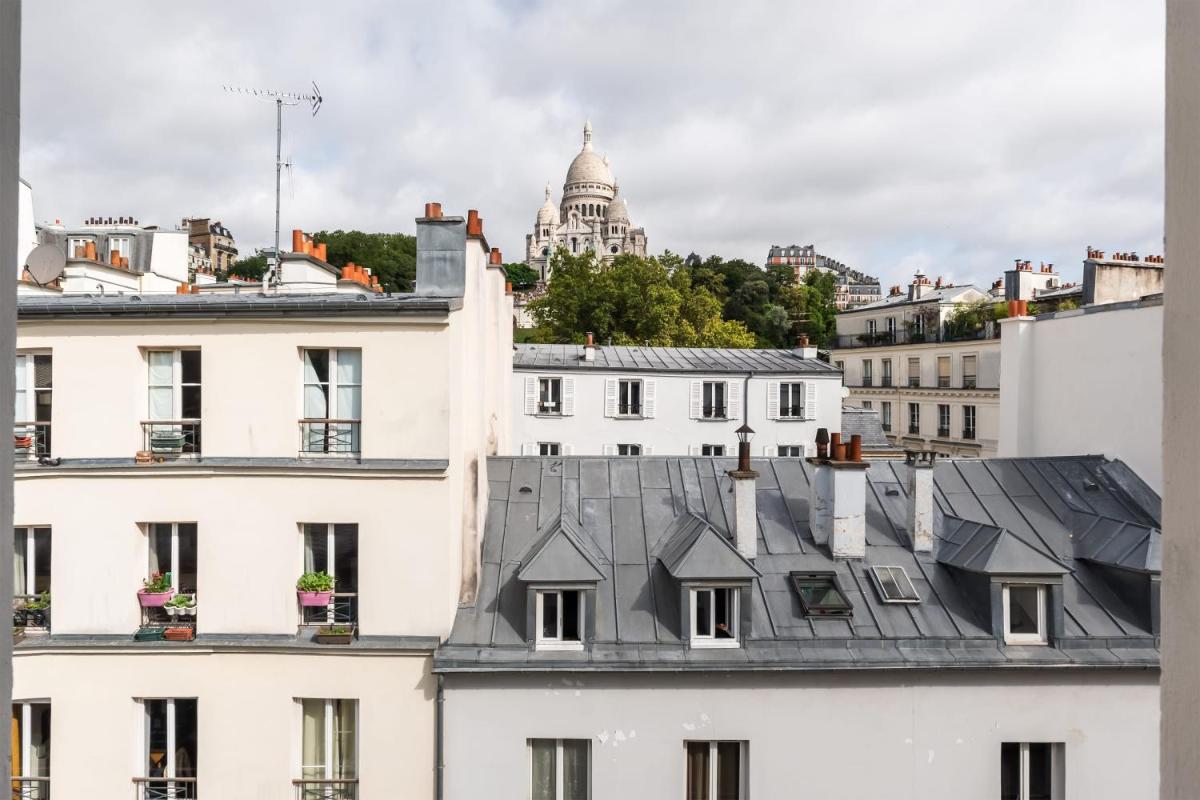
(45,263)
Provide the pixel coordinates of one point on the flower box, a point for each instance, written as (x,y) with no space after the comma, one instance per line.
(334,634)
(314,599)
(179,634)
(150,633)
(167,441)
(23,442)
(154,599)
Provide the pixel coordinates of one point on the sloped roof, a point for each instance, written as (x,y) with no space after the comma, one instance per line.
(991,550)
(865,422)
(706,360)
(947,294)
(631,508)
(563,553)
(692,550)
(1117,543)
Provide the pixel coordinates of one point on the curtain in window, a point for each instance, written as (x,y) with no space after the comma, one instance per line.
(316,548)
(729,770)
(316,384)
(542,781)
(22,397)
(162,387)
(19,556)
(345,753)
(575,769)
(349,381)
(697,771)
(312,756)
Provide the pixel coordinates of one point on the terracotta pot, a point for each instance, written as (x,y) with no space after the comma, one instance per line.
(314,599)
(154,599)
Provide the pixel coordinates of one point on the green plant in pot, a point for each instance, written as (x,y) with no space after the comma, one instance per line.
(181,605)
(156,590)
(315,589)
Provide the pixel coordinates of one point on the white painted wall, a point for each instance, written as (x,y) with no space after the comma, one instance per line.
(1086,383)
(907,735)
(671,431)
(26,228)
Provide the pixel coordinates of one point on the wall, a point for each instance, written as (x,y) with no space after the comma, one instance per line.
(26,229)
(671,431)
(905,735)
(1108,282)
(1086,381)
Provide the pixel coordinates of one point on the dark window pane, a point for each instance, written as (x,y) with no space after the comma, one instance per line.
(1040,771)
(1010,771)
(189,361)
(316,548)
(729,770)
(703,612)
(570,612)
(319,360)
(549,615)
(185,739)
(187,557)
(575,769)
(891,589)
(345,557)
(156,741)
(189,405)
(1023,609)
(724,613)
(697,771)
(41,547)
(160,547)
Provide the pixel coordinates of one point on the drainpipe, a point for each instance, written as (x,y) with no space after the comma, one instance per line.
(439,736)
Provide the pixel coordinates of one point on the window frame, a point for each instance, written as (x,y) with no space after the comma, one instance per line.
(885,416)
(1041,637)
(708,400)
(910,596)
(969,431)
(1057,754)
(176,556)
(630,449)
(331,562)
(625,390)
(733,603)
(545,388)
(943,381)
(558,763)
(970,380)
(791,389)
(329,722)
(914,380)
(914,419)
(885,372)
(844,612)
(170,768)
(711,450)
(545,448)
(543,642)
(943,411)
(868,372)
(798,448)
(713,776)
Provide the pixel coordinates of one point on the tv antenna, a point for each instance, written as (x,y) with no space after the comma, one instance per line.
(280,99)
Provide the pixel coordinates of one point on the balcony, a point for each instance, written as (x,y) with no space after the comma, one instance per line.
(867,381)
(943,433)
(849,341)
(713,412)
(24,788)
(171,438)
(342,610)
(914,383)
(31,611)
(914,429)
(165,788)
(331,437)
(968,382)
(968,433)
(331,789)
(31,441)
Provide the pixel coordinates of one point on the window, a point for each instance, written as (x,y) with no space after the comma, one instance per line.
(867,372)
(791,451)
(31,577)
(34,393)
(173,551)
(885,368)
(329,749)
(118,245)
(74,244)
(968,372)
(560,769)
(549,396)
(1024,614)
(914,418)
(820,595)
(173,402)
(715,771)
(791,400)
(31,751)
(968,422)
(170,749)
(891,329)
(629,449)
(867,404)
(629,398)
(559,619)
(919,325)
(886,415)
(332,548)
(943,372)
(871,325)
(894,585)
(714,400)
(712,450)
(839,365)
(548,448)
(943,419)
(914,372)
(332,401)
(714,617)
(1032,771)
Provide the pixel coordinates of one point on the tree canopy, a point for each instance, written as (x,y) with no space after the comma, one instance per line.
(522,276)
(390,256)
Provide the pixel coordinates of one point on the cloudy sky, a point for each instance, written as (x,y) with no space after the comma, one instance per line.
(954,136)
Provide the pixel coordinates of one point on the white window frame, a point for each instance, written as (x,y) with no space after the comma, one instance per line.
(544,449)
(885,415)
(543,642)
(911,408)
(949,376)
(330,560)
(969,411)
(944,407)
(558,764)
(724,400)
(177,383)
(871,325)
(329,736)
(121,245)
(713,765)
(910,375)
(710,639)
(868,372)
(26,363)
(172,747)
(624,388)
(885,372)
(790,388)
(334,385)
(1057,767)
(1038,638)
(30,532)
(149,529)
(26,765)
(785,451)
(549,381)
(630,446)
(903,581)
(711,447)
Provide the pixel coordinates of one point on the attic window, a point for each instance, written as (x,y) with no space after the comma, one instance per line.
(820,595)
(1024,614)
(559,619)
(714,617)
(894,585)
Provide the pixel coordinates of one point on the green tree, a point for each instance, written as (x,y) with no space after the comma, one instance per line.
(522,276)
(390,256)
(253,267)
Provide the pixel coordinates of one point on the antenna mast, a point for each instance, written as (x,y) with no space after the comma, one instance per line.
(281,99)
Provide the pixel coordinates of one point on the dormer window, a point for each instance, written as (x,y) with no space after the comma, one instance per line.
(820,595)
(714,617)
(559,619)
(1024,613)
(894,585)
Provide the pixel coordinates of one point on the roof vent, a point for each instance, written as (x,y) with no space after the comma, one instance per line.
(525,490)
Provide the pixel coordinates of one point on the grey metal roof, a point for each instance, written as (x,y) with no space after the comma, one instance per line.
(691,549)
(632,507)
(1118,543)
(665,359)
(227,304)
(865,422)
(946,294)
(992,550)
(565,552)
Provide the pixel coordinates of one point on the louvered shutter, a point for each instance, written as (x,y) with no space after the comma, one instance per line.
(693,450)
(529,449)
(810,399)
(696,394)
(772,399)
(610,397)
(649,390)
(769,451)
(531,386)
(734,391)
(609,450)
(568,396)
(568,450)
(647,450)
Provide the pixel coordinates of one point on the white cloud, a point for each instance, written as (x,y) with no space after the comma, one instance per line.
(962,134)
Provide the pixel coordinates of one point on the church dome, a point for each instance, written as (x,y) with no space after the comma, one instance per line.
(617,210)
(548,213)
(587,166)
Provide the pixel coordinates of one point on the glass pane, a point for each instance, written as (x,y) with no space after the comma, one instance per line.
(345,557)
(160,547)
(729,770)
(349,367)
(41,560)
(703,612)
(190,402)
(1023,609)
(575,769)
(1040,771)
(156,738)
(43,374)
(570,614)
(316,402)
(345,744)
(891,589)
(724,613)
(697,771)
(19,556)
(21,373)
(549,615)
(185,739)
(316,548)
(186,579)
(316,366)
(162,402)
(349,402)
(161,367)
(39,741)
(542,779)
(189,361)
(312,754)
(1010,771)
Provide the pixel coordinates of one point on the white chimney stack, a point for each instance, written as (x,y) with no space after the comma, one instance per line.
(803,349)
(920,500)
(745,499)
(838,508)
(589,348)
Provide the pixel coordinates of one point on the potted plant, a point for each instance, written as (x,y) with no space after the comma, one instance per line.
(18,634)
(167,441)
(334,634)
(181,605)
(156,590)
(179,634)
(315,589)
(35,610)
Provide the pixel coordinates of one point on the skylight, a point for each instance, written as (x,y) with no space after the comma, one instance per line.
(894,585)
(820,595)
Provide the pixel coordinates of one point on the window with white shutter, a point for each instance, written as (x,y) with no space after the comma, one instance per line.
(772,399)
(649,390)
(735,400)
(610,397)
(531,387)
(568,396)
(810,399)
(695,395)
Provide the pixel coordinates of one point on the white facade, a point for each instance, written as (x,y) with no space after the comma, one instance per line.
(1086,380)
(407,498)
(669,415)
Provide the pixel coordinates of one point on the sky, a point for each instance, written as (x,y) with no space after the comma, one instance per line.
(949,136)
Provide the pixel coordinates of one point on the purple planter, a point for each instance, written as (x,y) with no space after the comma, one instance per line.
(154,599)
(314,599)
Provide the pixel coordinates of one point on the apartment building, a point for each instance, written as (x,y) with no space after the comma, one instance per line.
(214,239)
(629,401)
(851,287)
(183,459)
(665,627)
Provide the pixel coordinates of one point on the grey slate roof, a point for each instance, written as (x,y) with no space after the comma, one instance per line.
(992,550)
(865,422)
(557,357)
(251,303)
(633,510)
(947,294)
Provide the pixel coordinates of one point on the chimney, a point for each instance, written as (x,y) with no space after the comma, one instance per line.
(920,500)
(803,349)
(441,254)
(837,511)
(589,348)
(297,240)
(745,498)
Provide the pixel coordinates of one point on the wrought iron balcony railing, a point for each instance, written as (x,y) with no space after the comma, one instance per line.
(629,409)
(26,788)
(31,611)
(171,437)
(713,412)
(330,436)
(342,610)
(330,789)
(31,440)
(968,433)
(165,788)
(944,432)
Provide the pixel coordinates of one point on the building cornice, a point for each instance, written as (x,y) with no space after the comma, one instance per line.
(233,465)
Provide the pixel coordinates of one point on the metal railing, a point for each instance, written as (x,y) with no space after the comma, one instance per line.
(914,429)
(26,788)
(171,437)
(885,381)
(163,616)
(629,409)
(342,610)
(31,440)
(968,382)
(165,788)
(848,341)
(712,412)
(330,789)
(26,617)
(330,436)
(968,433)
(943,432)
(867,381)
